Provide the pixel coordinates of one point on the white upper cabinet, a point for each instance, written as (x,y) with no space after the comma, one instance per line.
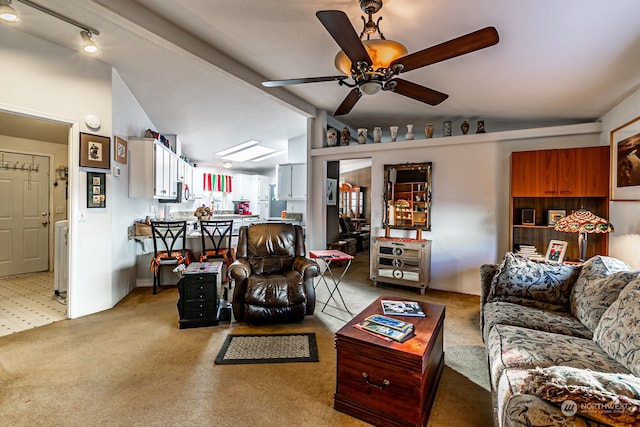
(153,170)
(292,181)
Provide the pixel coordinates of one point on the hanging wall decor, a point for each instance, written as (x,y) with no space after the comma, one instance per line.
(95,151)
(96,190)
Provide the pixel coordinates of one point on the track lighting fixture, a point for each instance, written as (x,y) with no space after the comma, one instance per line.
(88,46)
(8,14)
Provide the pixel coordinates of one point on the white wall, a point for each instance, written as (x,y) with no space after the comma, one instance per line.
(470,203)
(57,84)
(624,243)
(129,119)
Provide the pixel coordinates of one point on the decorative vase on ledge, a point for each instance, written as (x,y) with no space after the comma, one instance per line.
(409,134)
(377,134)
(428,131)
(446,129)
(362,135)
(464,127)
(345,136)
(394,132)
(332,137)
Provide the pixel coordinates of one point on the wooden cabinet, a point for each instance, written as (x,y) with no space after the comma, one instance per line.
(575,172)
(352,201)
(292,181)
(566,179)
(154,170)
(402,261)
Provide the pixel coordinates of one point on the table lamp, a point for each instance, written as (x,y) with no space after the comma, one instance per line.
(582,222)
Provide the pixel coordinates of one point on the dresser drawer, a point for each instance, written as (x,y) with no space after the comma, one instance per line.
(200,314)
(200,305)
(200,291)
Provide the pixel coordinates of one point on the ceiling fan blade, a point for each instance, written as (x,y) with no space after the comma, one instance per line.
(348,102)
(276,83)
(419,93)
(340,28)
(459,46)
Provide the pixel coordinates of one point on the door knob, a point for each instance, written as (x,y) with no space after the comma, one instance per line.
(45,222)
(44,214)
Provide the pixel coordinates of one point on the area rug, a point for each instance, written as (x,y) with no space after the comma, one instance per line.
(268,348)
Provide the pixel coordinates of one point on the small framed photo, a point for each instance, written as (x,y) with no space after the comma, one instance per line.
(555,251)
(96,186)
(120,150)
(332,189)
(625,161)
(556,215)
(528,216)
(95,151)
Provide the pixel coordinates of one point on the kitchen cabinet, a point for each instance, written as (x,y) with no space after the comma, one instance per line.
(153,170)
(263,187)
(292,181)
(565,179)
(244,187)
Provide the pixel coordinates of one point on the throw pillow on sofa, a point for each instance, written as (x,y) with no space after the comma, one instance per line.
(534,284)
(589,302)
(618,332)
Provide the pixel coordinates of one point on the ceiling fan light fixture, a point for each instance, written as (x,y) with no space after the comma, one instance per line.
(370,87)
(382,53)
(7,12)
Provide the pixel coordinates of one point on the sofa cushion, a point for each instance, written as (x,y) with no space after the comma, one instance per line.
(586,293)
(534,284)
(618,332)
(590,298)
(506,313)
(516,347)
(275,290)
(593,392)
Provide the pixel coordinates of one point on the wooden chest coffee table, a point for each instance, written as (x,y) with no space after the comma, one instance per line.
(390,383)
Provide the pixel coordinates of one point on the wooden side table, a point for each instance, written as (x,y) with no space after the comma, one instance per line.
(390,383)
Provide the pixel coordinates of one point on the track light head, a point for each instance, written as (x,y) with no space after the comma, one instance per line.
(88,45)
(8,13)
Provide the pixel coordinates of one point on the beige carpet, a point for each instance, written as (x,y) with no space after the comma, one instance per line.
(132,366)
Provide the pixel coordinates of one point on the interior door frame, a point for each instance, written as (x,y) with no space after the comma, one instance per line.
(72,205)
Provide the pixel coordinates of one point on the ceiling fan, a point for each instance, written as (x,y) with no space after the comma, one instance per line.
(374,64)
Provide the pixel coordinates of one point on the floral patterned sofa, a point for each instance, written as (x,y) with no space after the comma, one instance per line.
(562,342)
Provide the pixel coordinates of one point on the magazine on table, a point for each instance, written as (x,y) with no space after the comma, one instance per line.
(402,308)
(390,322)
(386,331)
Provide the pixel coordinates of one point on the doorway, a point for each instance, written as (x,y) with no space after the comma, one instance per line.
(33,151)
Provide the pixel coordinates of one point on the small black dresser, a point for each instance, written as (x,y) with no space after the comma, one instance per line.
(198,303)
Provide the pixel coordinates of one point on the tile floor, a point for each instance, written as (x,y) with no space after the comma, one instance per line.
(28,301)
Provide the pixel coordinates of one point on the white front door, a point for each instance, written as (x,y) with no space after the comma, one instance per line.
(24,213)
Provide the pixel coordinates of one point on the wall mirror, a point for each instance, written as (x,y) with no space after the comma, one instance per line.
(407,196)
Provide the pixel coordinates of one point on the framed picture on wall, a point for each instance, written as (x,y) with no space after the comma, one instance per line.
(332,191)
(95,151)
(625,161)
(96,190)
(120,150)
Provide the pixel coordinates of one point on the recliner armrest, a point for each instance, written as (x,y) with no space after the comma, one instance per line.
(306,267)
(240,270)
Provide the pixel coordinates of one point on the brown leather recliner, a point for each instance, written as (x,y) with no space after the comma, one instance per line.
(273,277)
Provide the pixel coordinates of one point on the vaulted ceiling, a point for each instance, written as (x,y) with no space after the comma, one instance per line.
(196,65)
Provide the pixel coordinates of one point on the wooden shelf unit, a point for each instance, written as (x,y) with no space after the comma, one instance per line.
(565,179)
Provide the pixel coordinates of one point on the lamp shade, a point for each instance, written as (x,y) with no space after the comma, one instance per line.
(381,52)
(583,221)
